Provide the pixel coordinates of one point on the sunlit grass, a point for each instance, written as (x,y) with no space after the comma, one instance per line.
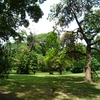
(43,86)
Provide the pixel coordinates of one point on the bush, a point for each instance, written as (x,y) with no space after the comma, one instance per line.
(95,64)
(76,69)
(78,66)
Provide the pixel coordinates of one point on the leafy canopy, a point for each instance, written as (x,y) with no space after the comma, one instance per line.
(13,13)
(64,12)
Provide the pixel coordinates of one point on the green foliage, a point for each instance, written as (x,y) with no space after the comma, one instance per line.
(98,38)
(63,14)
(95,64)
(5,61)
(52,40)
(91,30)
(50,56)
(78,66)
(23,6)
(41,63)
(41,43)
(68,40)
(23,60)
(13,14)
(79,56)
(82,12)
(31,41)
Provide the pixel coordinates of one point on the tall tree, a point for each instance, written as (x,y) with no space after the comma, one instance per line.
(52,48)
(82,12)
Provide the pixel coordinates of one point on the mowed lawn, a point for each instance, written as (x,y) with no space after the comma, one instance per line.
(43,86)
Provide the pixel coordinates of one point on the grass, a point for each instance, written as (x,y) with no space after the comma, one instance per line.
(43,86)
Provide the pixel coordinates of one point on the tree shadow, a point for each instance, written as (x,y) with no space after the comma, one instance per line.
(8,96)
(49,88)
(77,87)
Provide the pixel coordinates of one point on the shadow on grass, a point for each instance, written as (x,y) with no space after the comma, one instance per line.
(4,95)
(78,88)
(49,88)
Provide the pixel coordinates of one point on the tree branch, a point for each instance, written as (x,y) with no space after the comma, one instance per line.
(78,52)
(81,30)
(95,49)
(95,42)
(93,36)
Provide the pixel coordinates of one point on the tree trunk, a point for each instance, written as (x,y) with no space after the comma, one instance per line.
(88,65)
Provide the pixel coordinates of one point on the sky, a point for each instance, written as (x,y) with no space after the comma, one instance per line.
(44,25)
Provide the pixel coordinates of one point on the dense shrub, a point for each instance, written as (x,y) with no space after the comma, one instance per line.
(77,69)
(78,66)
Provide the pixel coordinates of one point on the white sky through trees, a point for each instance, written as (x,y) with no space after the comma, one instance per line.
(44,25)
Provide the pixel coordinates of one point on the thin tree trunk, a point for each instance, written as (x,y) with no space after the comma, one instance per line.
(88,65)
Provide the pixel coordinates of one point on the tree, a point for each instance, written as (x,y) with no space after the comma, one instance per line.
(41,43)
(52,47)
(52,40)
(13,13)
(23,61)
(31,41)
(50,59)
(82,12)
(74,51)
(91,32)
(32,61)
(78,66)
(5,60)
(41,63)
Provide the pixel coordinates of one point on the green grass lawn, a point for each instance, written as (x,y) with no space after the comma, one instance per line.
(43,86)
